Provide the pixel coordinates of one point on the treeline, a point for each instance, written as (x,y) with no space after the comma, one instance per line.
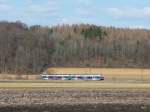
(25,49)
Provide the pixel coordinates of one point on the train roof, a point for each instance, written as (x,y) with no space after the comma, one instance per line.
(71,74)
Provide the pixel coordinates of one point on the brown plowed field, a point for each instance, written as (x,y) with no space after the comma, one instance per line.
(74,100)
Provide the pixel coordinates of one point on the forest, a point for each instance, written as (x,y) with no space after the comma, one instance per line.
(31,49)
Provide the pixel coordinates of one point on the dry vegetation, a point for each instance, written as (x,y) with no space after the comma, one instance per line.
(107,71)
(69,85)
(110,74)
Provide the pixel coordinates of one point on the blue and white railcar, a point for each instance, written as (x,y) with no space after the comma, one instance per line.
(93,77)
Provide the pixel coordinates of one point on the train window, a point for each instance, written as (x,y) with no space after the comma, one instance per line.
(44,76)
(73,77)
(57,77)
(80,77)
(88,77)
(97,77)
(65,77)
(50,77)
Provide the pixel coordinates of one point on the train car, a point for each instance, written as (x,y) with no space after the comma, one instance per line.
(84,77)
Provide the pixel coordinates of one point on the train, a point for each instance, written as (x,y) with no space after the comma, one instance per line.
(82,77)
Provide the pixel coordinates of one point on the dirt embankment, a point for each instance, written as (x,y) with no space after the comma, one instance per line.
(74,101)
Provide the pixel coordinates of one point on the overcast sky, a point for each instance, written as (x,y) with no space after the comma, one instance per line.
(119,13)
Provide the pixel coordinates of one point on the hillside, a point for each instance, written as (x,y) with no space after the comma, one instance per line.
(31,49)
